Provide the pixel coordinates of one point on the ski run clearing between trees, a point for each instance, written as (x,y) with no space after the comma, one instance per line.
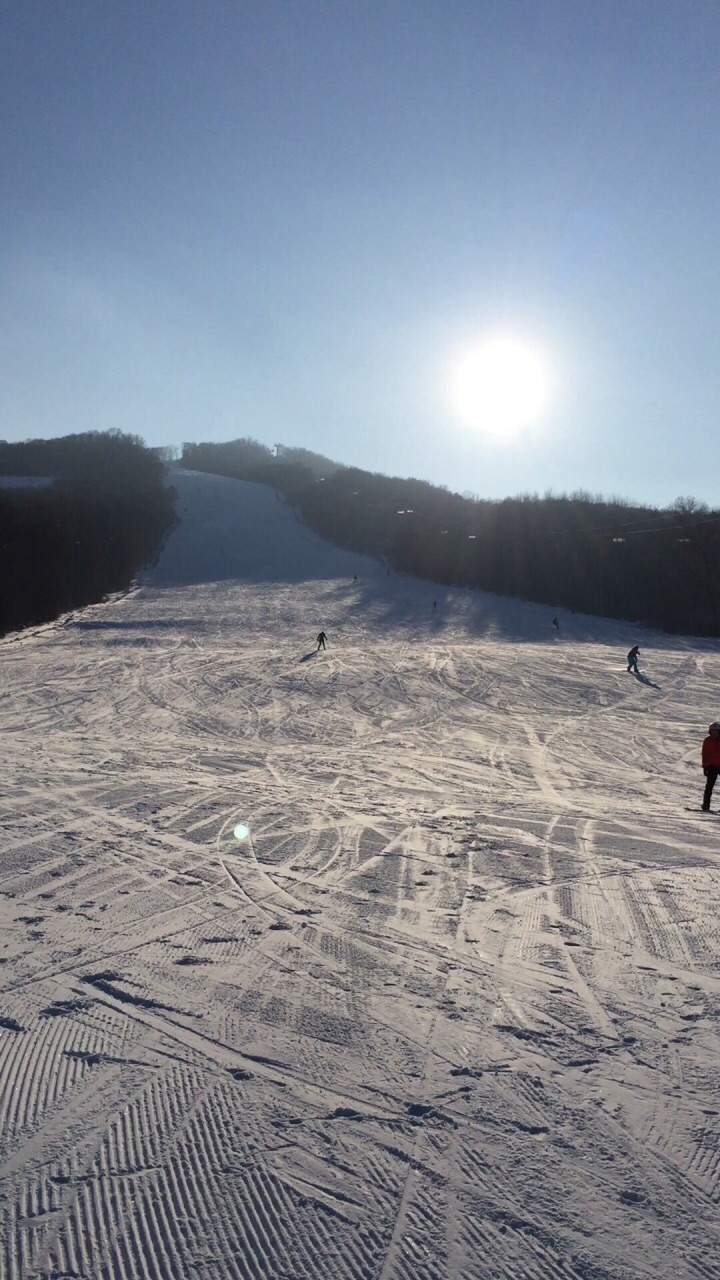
(399,961)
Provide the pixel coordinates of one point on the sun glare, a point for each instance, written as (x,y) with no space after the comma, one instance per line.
(500,387)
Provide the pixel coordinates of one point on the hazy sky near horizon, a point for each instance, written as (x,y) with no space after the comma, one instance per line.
(287,219)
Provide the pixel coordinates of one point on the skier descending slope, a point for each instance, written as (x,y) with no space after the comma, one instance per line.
(711,762)
(632,658)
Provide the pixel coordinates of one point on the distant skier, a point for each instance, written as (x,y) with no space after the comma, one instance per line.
(434,606)
(710,762)
(556,623)
(632,659)
(321,641)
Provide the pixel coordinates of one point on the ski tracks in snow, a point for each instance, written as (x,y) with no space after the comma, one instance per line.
(449,1007)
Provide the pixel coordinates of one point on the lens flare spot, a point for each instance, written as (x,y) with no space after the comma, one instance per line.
(241,832)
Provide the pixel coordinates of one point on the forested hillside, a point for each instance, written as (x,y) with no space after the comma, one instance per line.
(105,514)
(657,566)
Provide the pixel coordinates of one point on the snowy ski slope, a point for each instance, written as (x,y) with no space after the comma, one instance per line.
(450,1009)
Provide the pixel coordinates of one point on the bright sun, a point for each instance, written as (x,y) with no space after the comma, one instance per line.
(500,386)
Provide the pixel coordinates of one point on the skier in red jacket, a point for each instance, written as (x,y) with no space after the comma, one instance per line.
(711,762)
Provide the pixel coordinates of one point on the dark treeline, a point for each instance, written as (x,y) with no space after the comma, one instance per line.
(69,544)
(660,567)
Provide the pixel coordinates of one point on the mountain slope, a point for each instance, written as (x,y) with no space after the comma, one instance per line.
(396,961)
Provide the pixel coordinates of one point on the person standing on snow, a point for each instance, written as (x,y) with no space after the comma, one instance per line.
(632,659)
(710,762)
(321,640)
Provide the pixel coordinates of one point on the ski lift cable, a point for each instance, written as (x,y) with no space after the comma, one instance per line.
(668,528)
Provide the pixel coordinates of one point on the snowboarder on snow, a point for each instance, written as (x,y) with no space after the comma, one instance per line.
(632,659)
(321,640)
(711,762)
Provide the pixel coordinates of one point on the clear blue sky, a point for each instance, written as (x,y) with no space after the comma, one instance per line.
(281,218)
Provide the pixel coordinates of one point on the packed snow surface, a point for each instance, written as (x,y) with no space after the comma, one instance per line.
(399,961)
